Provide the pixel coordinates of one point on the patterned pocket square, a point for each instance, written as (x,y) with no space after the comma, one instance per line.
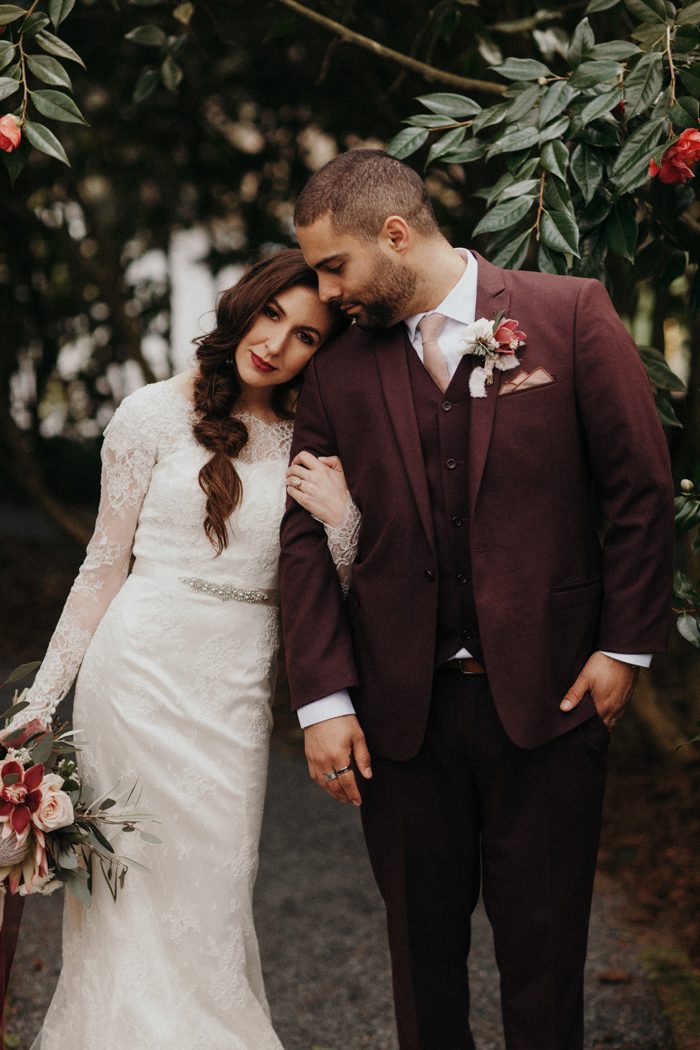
(526,381)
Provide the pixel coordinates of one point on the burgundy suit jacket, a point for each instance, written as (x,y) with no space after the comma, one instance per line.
(544,465)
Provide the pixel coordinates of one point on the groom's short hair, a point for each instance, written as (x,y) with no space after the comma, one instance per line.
(358,190)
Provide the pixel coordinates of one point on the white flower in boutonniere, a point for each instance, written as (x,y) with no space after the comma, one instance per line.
(496,341)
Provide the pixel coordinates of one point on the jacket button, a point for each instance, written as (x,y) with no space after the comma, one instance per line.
(457,521)
(450,464)
(429,575)
(467,635)
(446,406)
(461,578)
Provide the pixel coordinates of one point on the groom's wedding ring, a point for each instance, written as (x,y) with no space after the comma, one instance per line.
(345,769)
(331,776)
(296,482)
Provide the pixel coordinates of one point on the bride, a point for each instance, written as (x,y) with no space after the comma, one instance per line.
(176,665)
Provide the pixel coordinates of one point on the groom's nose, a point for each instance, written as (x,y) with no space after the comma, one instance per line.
(328,288)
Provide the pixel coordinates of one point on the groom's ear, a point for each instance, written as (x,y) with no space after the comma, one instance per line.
(396,233)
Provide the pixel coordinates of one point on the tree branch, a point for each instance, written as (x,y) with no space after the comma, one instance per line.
(422,68)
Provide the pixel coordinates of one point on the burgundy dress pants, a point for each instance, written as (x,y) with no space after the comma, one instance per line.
(474,812)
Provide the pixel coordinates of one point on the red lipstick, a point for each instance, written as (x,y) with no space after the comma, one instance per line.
(262,366)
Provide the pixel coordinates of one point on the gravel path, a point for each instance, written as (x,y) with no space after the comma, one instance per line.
(321,928)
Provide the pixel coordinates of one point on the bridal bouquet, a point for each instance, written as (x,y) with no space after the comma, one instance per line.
(52,833)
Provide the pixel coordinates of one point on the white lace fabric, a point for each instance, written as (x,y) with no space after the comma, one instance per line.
(343,541)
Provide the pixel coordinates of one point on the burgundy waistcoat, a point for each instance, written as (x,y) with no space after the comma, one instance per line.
(443,425)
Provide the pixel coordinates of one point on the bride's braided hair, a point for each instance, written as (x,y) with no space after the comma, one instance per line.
(217,386)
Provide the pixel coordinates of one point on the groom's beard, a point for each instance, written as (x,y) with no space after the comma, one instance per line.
(384,298)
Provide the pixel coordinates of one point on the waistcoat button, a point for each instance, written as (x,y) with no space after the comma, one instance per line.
(451,464)
(446,406)
(429,575)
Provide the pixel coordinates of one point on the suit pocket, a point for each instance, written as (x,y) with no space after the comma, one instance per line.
(576,585)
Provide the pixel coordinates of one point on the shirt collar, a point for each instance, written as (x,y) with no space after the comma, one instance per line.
(459,302)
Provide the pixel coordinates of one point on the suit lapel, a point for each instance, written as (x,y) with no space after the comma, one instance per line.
(390,355)
(491,296)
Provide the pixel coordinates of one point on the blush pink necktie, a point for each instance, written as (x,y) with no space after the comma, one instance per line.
(430,328)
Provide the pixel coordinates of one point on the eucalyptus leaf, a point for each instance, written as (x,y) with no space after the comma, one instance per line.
(555,159)
(49,70)
(504,215)
(45,141)
(77,886)
(148,836)
(57,106)
(559,232)
(23,671)
(67,860)
(643,84)
(447,104)
(406,142)
(587,168)
(53,45)
(522,69)
(15,708)
(41,751)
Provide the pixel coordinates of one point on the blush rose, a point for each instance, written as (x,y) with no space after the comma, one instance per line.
(10,133)
(55,809)
(678,160)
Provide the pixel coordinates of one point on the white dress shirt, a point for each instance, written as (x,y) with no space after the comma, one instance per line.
(459,307)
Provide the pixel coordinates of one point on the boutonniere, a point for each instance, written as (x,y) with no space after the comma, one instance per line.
(496,341)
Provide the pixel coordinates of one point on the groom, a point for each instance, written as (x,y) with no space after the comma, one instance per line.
(513,570)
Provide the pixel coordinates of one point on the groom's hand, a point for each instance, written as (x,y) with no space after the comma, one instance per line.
(611,684)
(335,744)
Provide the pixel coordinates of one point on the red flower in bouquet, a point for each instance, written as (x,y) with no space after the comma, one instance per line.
(20,798)
(679,159)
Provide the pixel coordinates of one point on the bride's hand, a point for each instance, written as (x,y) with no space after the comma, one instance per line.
(318,485)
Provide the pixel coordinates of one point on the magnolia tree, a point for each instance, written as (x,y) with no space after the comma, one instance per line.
(584,156)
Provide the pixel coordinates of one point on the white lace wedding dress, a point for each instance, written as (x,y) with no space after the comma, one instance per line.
(174,689)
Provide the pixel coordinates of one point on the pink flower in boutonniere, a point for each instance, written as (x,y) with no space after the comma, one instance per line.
(496,342)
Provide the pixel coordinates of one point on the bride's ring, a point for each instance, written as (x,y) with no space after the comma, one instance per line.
(345,769)
(331,776)
(296,482)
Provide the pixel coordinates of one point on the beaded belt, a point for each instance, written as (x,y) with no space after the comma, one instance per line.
(225,592)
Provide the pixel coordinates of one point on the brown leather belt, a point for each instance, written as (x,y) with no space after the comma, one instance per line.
(467,665)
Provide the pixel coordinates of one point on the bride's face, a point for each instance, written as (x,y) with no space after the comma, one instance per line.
(283,338)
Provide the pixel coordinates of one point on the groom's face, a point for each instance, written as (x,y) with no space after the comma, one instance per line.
(368,279)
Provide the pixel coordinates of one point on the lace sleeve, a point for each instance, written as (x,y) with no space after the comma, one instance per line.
(128,456)
(342,543)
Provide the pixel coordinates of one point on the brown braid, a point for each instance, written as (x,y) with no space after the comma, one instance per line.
(217,386)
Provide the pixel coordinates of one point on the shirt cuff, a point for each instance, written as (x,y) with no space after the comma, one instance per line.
(333,706)
(638,659)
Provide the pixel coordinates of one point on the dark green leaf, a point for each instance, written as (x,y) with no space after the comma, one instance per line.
(107,803)
(33,24)
(685,112)
(10,13)
(637,150)
(493,193)
(7,53)
(683,587)
(689,15)
(554,101)
(427,120)
(57,106)
(687,511)
(665,411)
(8,86)
(549,261)
(557,197)
(503,215)
(55,46)
(67,860)
(15,708)
(171,73)
(687,39)
(49,70)
(582,40)
(516,189)
(555,130)
(23,671)
(406,142)
(45,141)
(555,159)
(522,69)
(618,49)
(513,139)
(591,74)
(661,376)
(643,84)
(559,232)
(691,79)
(524,102)
(600,134)
(148,36)
(676,266)
(488,117)
(60,9)
(621,230)
(650,35)
(601,105)
(14,163)
(587,168)
(449,141)
(146,83)
(689,628)
(512,254)
(594,213)
(446,104)
(41,751)
(600,5)
(647,10)
(469,151)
